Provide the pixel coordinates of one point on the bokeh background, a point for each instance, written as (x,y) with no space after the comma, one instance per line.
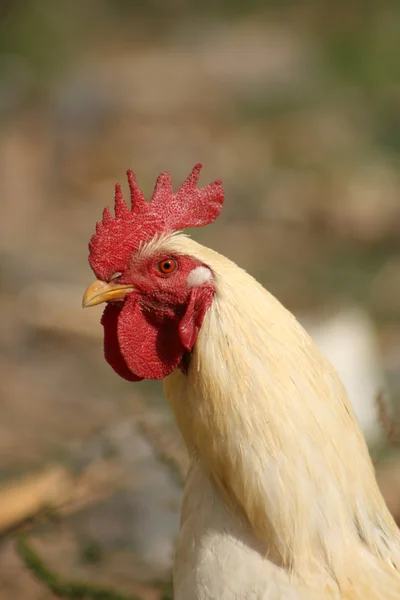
(296,106)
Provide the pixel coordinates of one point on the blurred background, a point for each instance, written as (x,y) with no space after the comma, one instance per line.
(296,107)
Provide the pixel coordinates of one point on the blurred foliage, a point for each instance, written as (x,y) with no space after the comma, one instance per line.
(60,587)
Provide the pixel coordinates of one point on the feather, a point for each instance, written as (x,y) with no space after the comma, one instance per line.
(270,425)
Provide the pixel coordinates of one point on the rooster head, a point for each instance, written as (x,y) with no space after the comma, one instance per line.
(156,299)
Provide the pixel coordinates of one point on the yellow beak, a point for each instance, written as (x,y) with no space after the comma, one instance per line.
(101,291)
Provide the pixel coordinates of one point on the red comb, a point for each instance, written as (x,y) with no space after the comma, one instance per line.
(167,211)
(188,207)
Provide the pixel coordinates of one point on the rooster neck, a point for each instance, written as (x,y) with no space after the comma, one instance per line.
(274,430)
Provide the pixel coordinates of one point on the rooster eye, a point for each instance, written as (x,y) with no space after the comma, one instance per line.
(167,266)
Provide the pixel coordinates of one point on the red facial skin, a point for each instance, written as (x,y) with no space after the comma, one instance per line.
(147,335)
(151,332)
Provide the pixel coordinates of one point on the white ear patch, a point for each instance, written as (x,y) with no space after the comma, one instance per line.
(198,276)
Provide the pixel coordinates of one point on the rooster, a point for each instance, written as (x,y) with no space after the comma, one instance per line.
(281,500)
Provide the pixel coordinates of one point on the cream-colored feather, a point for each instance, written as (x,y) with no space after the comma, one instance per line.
(281,502)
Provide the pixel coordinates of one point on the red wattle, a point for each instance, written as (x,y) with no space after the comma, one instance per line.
(112,351)
(149,340)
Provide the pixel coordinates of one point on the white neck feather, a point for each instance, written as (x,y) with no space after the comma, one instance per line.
(273,428)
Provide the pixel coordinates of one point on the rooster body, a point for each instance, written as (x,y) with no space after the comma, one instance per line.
(281,501)
(273,432)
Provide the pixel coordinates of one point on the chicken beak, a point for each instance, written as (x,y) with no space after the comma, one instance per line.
(101,291)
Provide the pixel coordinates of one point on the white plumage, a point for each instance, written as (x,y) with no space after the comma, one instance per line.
(281,501)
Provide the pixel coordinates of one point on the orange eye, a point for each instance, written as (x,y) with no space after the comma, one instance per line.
(167,266)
